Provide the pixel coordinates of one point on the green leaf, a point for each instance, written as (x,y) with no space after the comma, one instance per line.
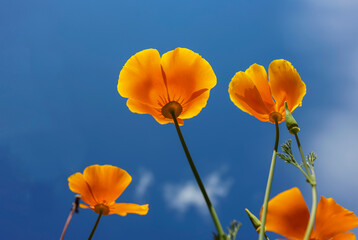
(234,228)
(288,156)
(311,157)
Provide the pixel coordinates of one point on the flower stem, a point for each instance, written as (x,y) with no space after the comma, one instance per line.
(313,213)
(74,208)
(214,216)
(269,184)
(95,226)
(312,180)
(302,155)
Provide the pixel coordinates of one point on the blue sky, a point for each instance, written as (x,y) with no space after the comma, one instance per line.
(61,112)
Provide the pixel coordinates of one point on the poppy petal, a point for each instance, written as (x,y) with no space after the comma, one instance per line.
(345,236)
(288,214)
(78,184)
(245,95)
(142,108)
(107,182)
(86,206)
(196,102)
(124,208)
(286,85)
(258,75)
(187,73)
(141,79)
(332,219)
(155,112)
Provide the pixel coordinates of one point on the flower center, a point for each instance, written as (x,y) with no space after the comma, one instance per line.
(275,117)
(172,108)
(101,208)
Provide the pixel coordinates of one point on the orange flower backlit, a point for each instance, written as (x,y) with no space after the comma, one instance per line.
(254,94)
(180,80)
(288,216)
(99,187)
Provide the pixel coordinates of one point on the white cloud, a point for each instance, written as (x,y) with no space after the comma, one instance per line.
(146,178)
(336,145)
(331,23)
(336,3)
(335,140)
(350,96)
(183,196)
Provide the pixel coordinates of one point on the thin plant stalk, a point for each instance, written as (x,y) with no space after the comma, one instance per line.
(302,155)
(313,213)
(214,216)
(312,181)
(269,183)
(73,209)
(95,226)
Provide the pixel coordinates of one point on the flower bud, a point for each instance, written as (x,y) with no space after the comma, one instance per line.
(254,220)
(291,123)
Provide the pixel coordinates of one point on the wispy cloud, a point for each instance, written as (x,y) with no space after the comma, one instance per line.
(336,145)
(334,139)
(340,3)
(329,27)
(146,178)
(330,23)
(182,196)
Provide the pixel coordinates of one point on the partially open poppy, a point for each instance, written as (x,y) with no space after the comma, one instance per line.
(99,187)
(254,94)
(288,216)
(180,80)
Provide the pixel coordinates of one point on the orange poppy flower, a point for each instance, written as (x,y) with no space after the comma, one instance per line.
(99,187)
(181,80)
(288,216)
(254,94)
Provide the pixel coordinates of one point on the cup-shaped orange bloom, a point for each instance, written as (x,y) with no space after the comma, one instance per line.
(288,216)
(264,99)
(99,187)
(180,80)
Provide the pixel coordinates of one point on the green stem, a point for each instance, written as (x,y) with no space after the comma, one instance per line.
(313,213)
(269,184)
(214,216)
(302,156)
(312,180)
(95,226)
(304,173)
